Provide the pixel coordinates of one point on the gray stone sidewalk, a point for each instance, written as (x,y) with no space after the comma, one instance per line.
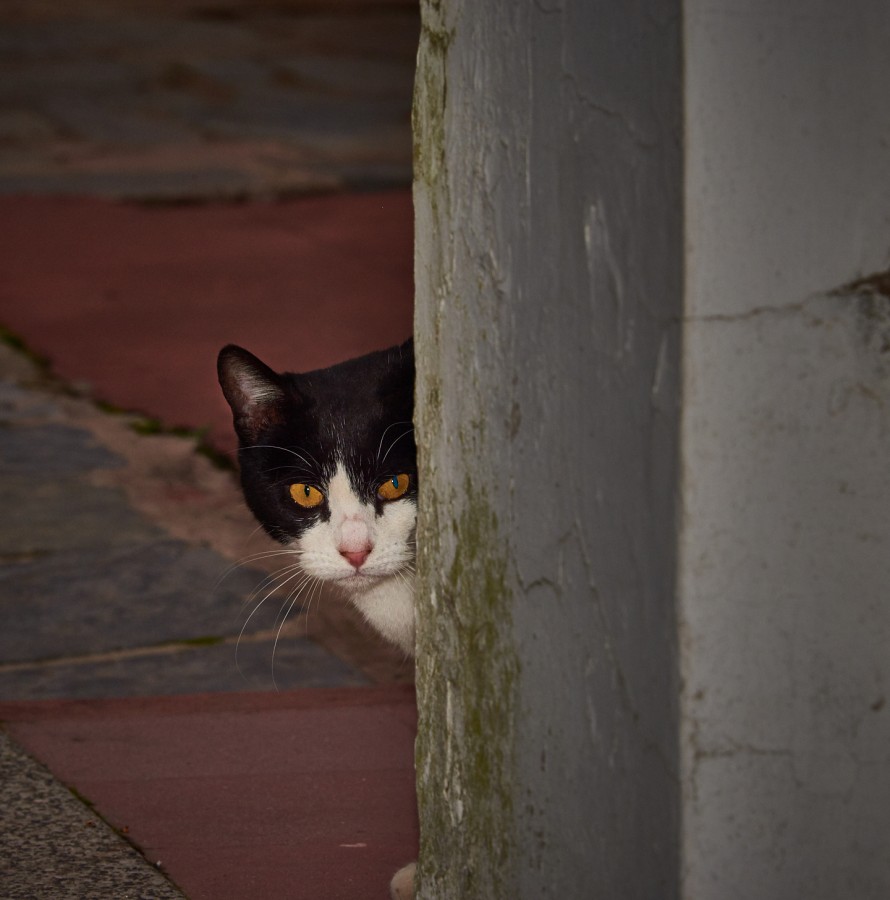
(162,101)
(98,599)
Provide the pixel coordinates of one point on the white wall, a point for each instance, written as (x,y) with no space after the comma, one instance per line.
(785,545)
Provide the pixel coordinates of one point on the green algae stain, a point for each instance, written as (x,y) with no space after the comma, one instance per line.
(430,95)
(467,666)
(468,699)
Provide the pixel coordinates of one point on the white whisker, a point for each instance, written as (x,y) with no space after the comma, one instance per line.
(280,575)
(382,436)
(293,596)
(315,592)
(286,450)
(403,434)
(254,557)
(277,577)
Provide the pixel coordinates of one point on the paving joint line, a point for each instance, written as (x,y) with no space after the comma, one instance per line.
(294,628)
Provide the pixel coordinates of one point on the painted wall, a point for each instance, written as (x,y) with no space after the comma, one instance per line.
(548,272)
(785,550)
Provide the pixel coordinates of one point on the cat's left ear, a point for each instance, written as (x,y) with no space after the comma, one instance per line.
(255,392)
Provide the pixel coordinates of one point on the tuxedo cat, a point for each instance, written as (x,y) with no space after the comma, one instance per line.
(328,467)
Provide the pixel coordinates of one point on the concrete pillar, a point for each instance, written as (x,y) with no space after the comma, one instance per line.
(548,270)
(654,415)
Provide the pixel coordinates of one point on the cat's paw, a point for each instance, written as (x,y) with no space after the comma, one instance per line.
(402,885)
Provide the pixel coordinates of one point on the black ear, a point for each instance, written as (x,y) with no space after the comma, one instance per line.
(255,392)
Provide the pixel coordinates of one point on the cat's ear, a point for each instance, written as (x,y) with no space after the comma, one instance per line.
(255,392)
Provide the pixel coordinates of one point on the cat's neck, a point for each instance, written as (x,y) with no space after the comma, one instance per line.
(388,606)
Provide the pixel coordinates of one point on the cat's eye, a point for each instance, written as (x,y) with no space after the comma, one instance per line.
(394,487)
(306,496)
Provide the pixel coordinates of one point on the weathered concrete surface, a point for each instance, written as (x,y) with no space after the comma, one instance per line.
(786,538)
(548,269)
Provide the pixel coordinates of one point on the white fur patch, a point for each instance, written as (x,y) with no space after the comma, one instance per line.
(383,586)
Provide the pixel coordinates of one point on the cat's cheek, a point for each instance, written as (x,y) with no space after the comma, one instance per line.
(394,547)
(398,522)
(316,549)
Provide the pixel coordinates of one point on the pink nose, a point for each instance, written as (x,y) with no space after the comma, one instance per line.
(356,557)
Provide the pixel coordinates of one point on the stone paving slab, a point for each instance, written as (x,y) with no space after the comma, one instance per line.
(249,665)
(50,452)
(81,571)
(42,516)
(172,102)
(99,598)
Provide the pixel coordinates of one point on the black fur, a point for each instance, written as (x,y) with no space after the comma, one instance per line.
(296,427)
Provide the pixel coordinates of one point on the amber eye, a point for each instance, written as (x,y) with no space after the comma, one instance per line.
(393,488)
(306,495)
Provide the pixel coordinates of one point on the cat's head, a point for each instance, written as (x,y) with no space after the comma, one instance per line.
(328,461)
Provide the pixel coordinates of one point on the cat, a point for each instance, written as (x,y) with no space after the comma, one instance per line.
(328,466)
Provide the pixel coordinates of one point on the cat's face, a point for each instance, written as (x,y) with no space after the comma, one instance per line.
(328,466)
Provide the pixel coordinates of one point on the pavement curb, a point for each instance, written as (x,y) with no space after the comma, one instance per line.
(60,846)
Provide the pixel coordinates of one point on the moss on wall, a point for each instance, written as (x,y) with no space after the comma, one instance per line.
(537,351)
(467,667)
(430,86)
(466,693)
